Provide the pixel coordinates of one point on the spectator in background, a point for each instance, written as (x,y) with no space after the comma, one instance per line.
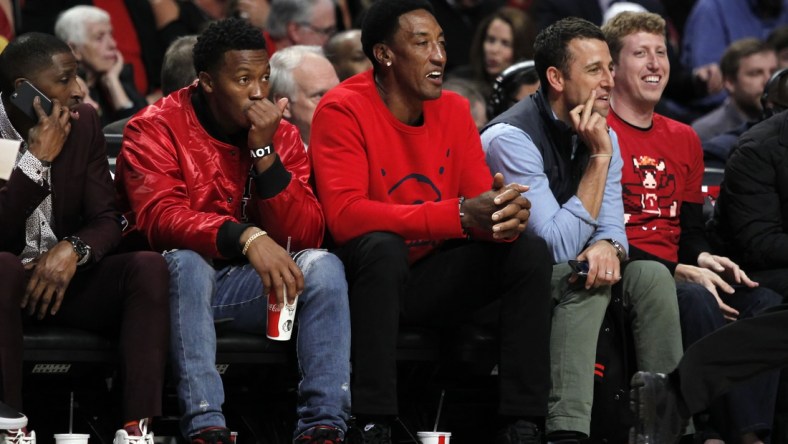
(778,40)
(299,22)
(746,66)
(148,27)
(86,91)
(58,227)
(214,9)
(177,71)
(459,20)
(7,27)
(502,39)
(547,12)
(469,90)
(713,25)
(302,75)
(345,53)
(88,31)
(255,11)
(512,85)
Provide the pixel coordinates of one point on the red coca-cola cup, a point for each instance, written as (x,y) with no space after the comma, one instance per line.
(281,317)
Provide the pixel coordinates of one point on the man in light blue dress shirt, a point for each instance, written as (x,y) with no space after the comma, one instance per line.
(557,142)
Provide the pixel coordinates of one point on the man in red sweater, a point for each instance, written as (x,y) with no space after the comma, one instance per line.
(401,174)
(661,183)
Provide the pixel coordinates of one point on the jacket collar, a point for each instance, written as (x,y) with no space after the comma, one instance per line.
(208,121)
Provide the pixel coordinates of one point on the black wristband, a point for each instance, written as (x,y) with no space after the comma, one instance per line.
(259,153)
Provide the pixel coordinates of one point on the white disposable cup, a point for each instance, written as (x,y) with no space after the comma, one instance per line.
(434,437)
(281,317)
(71,438)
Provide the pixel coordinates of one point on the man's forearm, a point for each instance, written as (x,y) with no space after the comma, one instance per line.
(592,185)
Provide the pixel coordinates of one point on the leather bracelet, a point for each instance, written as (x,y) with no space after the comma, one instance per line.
(462,214)
(251,239)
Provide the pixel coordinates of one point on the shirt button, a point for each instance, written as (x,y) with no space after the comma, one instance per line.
(229,200)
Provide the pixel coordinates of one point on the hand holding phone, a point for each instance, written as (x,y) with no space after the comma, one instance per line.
(51,129)
(23,97)
(579,267)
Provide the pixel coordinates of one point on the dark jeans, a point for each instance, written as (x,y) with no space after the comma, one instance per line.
(748,407)
(124,296)
(775,279)
(445,288)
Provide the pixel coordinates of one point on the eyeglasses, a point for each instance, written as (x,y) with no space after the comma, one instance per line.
(327,31)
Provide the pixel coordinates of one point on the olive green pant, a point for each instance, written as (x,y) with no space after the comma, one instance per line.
(649,293)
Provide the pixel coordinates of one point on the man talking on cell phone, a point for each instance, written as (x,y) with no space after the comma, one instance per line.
(58,226)
(557,142)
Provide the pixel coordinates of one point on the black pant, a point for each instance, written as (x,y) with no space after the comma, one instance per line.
(748,407)
(732,354)
(125,296)
(445,288)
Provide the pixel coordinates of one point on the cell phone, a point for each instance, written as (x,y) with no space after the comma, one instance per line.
(579,267)
(23,96)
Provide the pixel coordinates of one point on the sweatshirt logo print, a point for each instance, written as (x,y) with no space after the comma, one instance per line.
(654,193)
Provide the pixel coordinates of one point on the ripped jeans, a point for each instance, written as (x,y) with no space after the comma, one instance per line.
(199,294)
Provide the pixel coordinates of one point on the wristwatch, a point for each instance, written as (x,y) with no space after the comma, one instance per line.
(81,248)
(620,252)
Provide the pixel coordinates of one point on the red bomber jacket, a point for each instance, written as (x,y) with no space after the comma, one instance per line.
(181,184)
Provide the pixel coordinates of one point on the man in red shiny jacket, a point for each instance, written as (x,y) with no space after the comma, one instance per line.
(216,178)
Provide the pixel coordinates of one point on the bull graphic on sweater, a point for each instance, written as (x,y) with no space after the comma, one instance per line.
(654,193)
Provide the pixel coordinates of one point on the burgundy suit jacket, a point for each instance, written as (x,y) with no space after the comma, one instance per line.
(83,196)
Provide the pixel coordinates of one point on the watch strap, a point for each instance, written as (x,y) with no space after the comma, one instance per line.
(80,248)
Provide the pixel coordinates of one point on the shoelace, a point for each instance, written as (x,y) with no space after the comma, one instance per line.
(19,437)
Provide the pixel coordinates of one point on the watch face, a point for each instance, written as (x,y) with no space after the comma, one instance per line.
(79,247)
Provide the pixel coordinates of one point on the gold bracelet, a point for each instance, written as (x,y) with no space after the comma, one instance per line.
(599,155)
(251,239)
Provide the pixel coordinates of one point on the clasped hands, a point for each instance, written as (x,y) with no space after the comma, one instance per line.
(502,211)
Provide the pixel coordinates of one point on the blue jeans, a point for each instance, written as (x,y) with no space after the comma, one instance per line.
(199,294)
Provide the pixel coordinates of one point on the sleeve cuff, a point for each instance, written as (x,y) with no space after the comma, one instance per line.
(228,239)
(32,167)
(272,181)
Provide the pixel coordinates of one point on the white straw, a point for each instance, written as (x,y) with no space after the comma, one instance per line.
(440,406)
(71,415)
